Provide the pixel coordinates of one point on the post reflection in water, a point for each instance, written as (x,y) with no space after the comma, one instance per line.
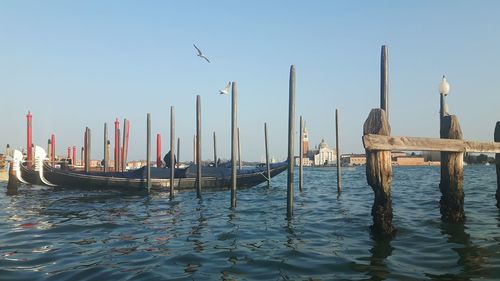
(470,256)
(380,251)
(231,236)
(71,233)
(196,231)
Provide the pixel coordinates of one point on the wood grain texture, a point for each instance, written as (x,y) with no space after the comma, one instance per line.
(379,175)
(373,142)
(452,175)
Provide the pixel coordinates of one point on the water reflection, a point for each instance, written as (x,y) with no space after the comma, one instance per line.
(470,256)
(380,251)
(291,237)
(196,231)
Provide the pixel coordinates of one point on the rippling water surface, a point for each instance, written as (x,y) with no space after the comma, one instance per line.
(73,234)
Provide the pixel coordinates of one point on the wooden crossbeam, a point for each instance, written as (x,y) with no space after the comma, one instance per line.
(373,142)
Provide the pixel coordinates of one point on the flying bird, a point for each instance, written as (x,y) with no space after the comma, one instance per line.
(226,89)
(200,54)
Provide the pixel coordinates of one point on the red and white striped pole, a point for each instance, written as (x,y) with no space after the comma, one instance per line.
(53,144)
(158,150)
(29,141)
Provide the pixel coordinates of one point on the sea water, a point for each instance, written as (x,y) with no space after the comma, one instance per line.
(75,234)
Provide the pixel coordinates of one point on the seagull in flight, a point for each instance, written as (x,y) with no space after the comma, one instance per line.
(226,89)
(200,54)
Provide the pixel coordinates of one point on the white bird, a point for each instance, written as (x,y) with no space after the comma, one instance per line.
(200,54)
(226,89)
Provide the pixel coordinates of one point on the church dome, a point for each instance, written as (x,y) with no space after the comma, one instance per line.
(323,144)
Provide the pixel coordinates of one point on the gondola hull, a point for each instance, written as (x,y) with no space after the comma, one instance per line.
(213,179)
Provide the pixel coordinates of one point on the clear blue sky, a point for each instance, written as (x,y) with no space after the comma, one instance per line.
(83,63)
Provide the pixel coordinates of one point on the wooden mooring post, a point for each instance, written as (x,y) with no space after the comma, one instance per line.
(215,151)
(84,151)
(301,152)
(172,149)
(234,126)
(384,80)
(116,151)
(198,146)
(126,134)
(379,175)
(291,147)
(268,167)
(148,152)
(497,162)
(106,154)
(87,149)
(179,150)
(452,174)
(339,165)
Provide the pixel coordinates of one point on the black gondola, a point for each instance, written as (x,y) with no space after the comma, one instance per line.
(185,179)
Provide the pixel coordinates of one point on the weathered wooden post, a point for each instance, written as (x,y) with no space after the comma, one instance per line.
(49,150)
(452,174)
(291,147)
(379,175)
(88,150)
(117,146)
(215,151)
(29,140)
(239,150)
(106,154)
(82,154)
(126,134)
(172,149)
(301,152)
(234,125)
(148,153)
(339,165)
(179,150)
(497,160)
(108,145)
(384,80)
(268,168)
(84,151)
(198,146)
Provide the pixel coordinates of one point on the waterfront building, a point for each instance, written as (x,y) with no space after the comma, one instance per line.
(325,155)
(353,160)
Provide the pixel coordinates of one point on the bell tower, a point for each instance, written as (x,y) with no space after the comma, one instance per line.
(305,142)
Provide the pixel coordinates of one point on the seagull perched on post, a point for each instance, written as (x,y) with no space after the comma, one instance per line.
(226,89)
(200,54)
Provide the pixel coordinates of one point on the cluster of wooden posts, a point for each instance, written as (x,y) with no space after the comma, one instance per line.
(378,144)
(377,141)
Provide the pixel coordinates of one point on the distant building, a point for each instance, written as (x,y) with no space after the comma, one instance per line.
(321,156)
(324,155)
(353,160)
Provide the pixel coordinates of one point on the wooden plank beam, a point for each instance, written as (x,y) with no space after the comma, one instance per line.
(373,142)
